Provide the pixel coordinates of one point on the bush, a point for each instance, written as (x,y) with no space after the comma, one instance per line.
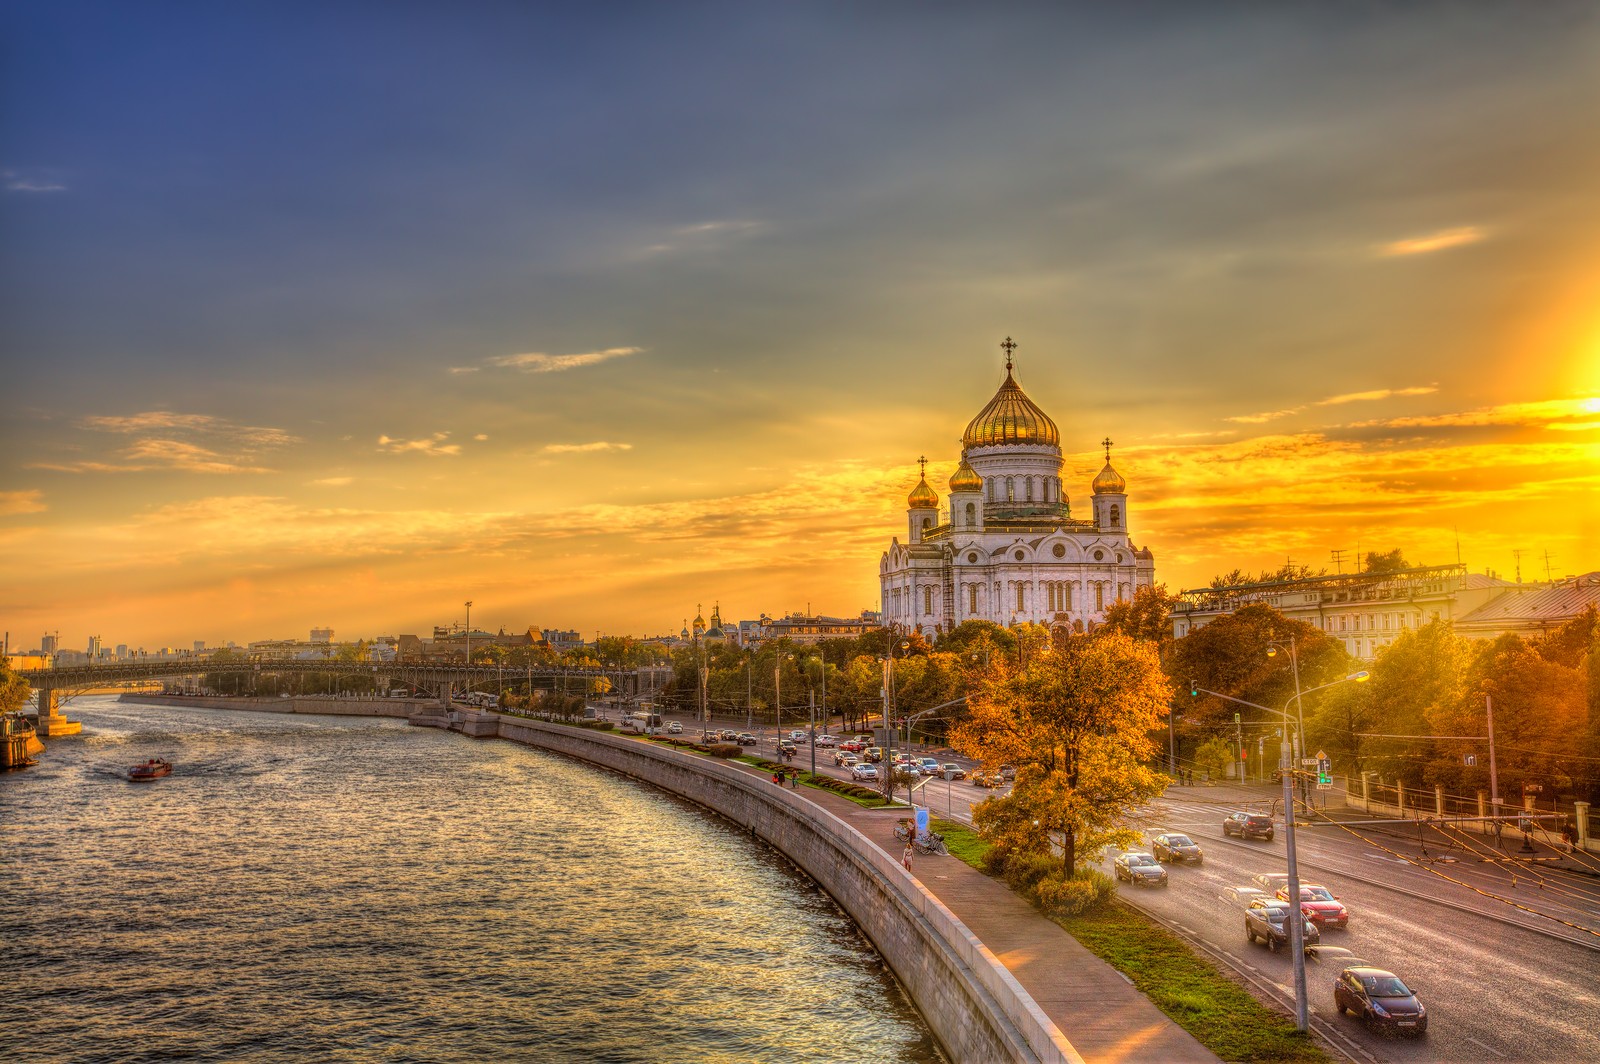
(1084,891)
(1024,871)
(723,750)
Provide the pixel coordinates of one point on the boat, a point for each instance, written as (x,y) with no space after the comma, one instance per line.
(21,742)
(153,769)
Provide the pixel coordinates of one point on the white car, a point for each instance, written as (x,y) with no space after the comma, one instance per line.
(827,740)
(674,728)
(797,736)
(868,773)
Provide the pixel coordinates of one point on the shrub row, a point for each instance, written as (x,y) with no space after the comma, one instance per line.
(1042,878)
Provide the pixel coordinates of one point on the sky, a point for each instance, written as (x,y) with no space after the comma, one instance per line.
(344,314)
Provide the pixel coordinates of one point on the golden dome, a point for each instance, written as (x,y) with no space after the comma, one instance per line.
(922,497)
(1011,418)
(966,478)
(1109,482)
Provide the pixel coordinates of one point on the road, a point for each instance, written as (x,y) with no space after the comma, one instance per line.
(1500,983)
(1504,954)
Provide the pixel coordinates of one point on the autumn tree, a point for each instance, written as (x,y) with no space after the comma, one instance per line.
(1390,561)
(1076,723)
(1146,616)
(14,690)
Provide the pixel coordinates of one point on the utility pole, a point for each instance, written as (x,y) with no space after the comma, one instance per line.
(1338,559)
(1517,554)
(813,696)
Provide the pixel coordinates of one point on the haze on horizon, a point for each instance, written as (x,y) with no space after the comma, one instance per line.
(344,315)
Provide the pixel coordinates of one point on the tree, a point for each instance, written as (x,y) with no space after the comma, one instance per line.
(14,690)
(1212,755)
(1076,723)
(1146,616)
(1392,561)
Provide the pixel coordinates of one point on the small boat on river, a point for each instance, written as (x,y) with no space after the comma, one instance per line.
(153,769)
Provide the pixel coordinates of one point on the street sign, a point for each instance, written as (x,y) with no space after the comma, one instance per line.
(1309,761)
(1325,786)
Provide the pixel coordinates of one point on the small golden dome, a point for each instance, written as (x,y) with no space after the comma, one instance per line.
(1109,482)
(1011,418)
(922,497)
(965,478)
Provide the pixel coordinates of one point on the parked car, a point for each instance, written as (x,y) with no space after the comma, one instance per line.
(953,771)
(865,773)
(1325,910)
(1267,920)
(674,728)
(1176,846)
(1140,869)
(1336,957)
(1381,999)
(1248,826)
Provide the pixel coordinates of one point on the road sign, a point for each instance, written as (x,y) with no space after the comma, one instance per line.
(1322,755)
(1325,786)
(1310,762)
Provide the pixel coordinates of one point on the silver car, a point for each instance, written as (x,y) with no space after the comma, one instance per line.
(1140,869)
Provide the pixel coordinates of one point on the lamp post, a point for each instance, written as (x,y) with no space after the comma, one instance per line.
(1300,724)
(469,639)
(1296,919)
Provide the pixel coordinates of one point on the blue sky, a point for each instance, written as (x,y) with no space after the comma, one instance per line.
(343,313)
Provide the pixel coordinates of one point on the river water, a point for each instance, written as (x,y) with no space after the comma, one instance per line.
(323,888)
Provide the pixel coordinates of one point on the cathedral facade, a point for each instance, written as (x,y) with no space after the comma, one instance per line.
(1006,548)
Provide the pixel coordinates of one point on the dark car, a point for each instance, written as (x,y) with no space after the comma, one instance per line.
(746,739)
(1381,999)
(1176,846)
(1267,920)
(1140,869)
(1324,909)
(1248,826)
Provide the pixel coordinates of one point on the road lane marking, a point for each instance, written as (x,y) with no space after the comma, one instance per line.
(1491,1049)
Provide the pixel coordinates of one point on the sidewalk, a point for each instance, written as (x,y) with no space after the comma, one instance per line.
(1099,1011)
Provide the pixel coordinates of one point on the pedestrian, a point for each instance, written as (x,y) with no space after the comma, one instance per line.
(794,781)
(777,777)
(905,856)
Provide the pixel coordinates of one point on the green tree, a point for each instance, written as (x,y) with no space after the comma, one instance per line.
(1146,616)
(1076,723)
(14,690)
(1212,756)
(1392,561)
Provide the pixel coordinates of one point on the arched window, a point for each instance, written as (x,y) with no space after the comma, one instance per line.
(927,600)
(972,515)
(927,523)
(1020,602)
(988,487)
(1011,490)
(1116,515)
(972,598)
(1027,488)
(1099,595)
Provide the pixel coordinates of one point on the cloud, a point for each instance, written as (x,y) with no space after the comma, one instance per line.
(21,502)
(16,182)
(1424,245)
(1381,393)
(187,457)
(1257,419)
(433,446)
(480,437)
(538,362)
(189,443)
(333,482)
(1569,414)
(584,448)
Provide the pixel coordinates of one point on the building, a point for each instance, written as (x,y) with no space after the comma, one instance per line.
(807,628)
(1007,548)
(1368,611)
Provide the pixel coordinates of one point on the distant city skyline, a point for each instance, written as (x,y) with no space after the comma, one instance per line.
(591,316)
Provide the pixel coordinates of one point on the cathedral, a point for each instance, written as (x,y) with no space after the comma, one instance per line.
(1007,548)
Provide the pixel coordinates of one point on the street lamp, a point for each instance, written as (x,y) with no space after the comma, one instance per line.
(469,637)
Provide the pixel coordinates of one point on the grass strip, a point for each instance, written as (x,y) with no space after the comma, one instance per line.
(963,843)
(1191,990)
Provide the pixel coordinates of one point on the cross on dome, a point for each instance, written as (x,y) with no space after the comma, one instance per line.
(1106,443)
(922,463)
(1008,345)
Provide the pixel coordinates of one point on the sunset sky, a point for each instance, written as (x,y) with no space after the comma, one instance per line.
(345,313)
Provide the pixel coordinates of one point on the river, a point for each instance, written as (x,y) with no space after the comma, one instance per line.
(352,889)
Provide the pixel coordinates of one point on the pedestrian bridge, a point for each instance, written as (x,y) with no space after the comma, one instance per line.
(438,680)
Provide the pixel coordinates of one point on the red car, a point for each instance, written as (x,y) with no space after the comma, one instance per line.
(854,746)
(1318,902)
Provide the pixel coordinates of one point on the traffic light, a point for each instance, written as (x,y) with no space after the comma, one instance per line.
(1194,692)
(1325,772)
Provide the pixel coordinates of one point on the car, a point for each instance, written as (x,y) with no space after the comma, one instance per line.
(864,772)
(1336,957)
(1325,909)
(1243,896)
(1007,772)
(674,728)
(851,745)
(797,736)
(1267,920)
(746,739)
(1271,882)
(1140,869)
(979,778)
(1381,999)
(953,771)
(929,766)
(1176,846)
(1248,826)
(827,740)
(874,753)
(787,749)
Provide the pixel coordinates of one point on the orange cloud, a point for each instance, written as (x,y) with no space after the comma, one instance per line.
(22,502)
(1424,245)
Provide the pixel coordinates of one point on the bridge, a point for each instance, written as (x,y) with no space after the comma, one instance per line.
(439,680)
